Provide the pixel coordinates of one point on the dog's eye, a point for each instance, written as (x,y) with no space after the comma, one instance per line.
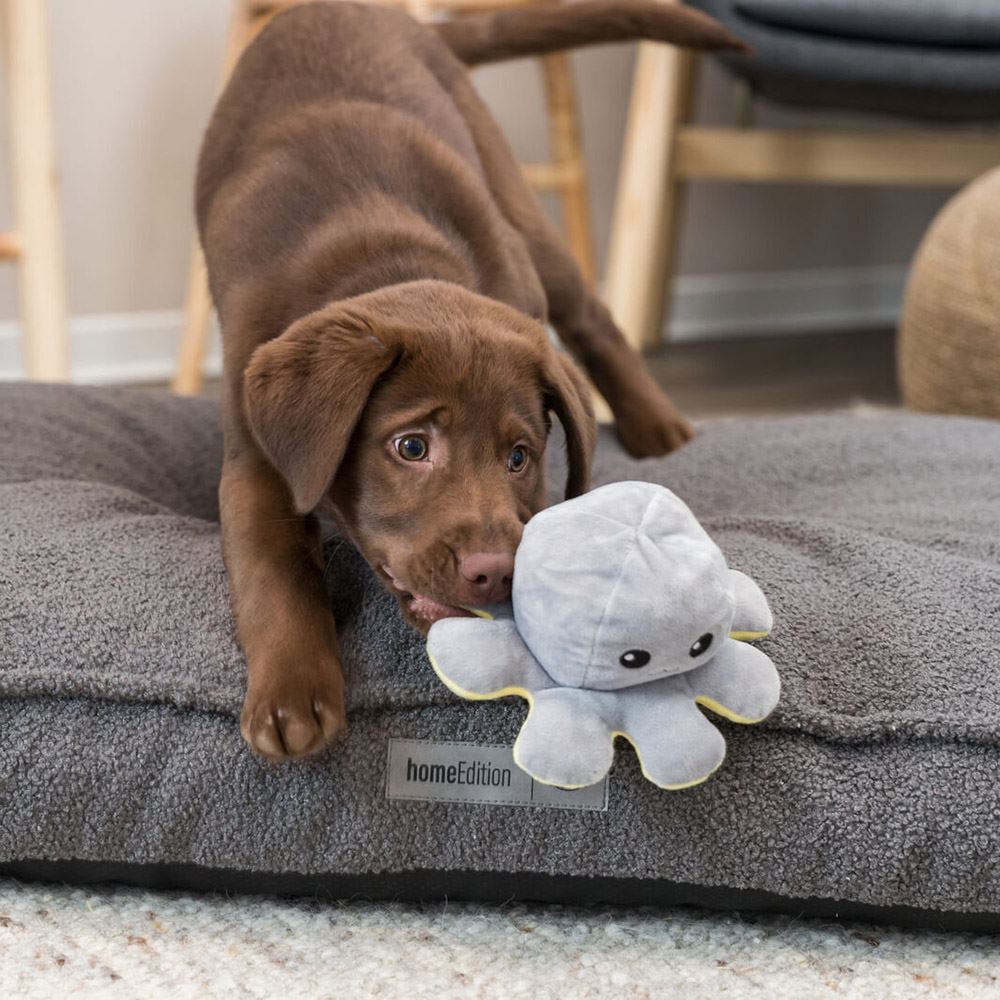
(412,448)
(633,658)
(701,644)
(518,459)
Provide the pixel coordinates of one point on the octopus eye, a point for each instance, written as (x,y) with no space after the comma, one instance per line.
(701,644)
(634,658)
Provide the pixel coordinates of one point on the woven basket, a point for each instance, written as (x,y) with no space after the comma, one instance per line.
(949,334)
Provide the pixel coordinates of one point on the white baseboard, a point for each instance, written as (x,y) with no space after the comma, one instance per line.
(719,306)
(142,346)
(110,348)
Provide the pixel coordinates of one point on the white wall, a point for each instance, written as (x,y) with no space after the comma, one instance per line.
(133,84)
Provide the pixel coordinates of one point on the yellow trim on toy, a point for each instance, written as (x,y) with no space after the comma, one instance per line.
(748,636)
(668,788)
(719,709)
(474,695)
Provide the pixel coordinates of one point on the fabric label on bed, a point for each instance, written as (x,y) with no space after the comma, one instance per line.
(432,771)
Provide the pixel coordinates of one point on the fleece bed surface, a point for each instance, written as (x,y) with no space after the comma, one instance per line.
(873,789)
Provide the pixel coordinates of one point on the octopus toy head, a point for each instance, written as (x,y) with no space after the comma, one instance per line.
(661,583)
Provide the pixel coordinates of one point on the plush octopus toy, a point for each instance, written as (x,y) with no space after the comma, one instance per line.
(623,619)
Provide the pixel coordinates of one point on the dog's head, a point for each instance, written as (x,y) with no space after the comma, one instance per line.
(418,417)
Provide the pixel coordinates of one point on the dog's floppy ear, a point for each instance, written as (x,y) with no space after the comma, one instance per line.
(568,396)
(304,392)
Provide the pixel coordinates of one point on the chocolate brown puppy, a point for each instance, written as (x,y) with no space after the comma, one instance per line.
(383,276)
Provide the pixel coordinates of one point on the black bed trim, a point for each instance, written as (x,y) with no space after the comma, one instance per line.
(490,887)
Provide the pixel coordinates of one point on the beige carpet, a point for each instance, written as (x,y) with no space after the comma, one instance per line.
(57,941)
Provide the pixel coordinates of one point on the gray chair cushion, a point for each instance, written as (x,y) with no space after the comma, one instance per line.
(874,784)
(801,64)
(936,23)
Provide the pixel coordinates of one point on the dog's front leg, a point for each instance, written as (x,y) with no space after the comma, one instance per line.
(295,686)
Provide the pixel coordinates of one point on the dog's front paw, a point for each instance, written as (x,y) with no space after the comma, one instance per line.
(656,430)
(293,713)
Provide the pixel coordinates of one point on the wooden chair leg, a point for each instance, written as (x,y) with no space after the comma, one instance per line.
(35,199)
(190,373)
(567,156)
(648,203)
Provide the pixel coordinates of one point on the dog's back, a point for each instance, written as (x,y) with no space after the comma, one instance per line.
(337,160)
(319,54)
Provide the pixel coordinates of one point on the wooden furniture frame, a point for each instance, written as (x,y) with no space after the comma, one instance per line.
(564,175)
(663,151)
(35,243)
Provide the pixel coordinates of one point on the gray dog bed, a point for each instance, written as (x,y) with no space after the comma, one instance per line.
(872,791)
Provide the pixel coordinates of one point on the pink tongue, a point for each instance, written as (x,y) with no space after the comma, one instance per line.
(433,611)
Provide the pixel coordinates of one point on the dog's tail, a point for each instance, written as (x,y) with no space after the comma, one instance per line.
(510,34)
